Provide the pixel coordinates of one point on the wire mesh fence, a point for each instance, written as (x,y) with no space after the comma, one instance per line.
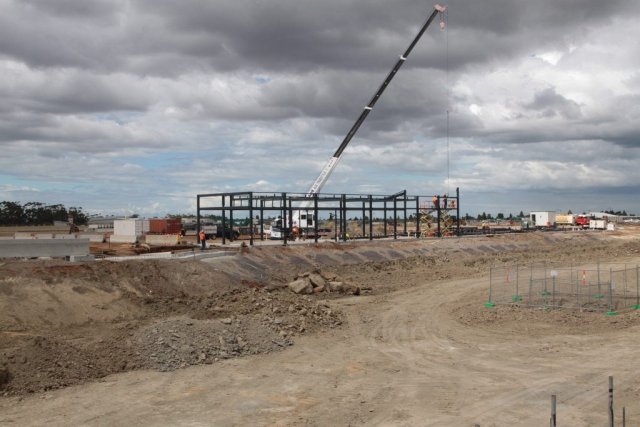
(601,287)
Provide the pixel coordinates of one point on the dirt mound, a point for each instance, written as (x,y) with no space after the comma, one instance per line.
(538,321)
(64,324)
(68,323)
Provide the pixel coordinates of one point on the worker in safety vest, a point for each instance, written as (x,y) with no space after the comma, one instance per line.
(203,238)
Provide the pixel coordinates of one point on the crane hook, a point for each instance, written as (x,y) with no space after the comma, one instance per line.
(442,10)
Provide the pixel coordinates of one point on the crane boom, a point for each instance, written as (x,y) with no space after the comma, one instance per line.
(333,161)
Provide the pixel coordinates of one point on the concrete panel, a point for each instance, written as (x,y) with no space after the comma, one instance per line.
(43,235)
(157,255)
(118,238)
(162,239)
(93,237)
(23,248)
(65,236)
(23,235)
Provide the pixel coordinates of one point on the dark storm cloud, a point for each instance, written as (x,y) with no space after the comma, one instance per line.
(162,37)
(76,93)
(258,78)
(94,10)
(548,104)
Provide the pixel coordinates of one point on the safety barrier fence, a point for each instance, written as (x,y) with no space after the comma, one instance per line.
(610,413)
(602,287)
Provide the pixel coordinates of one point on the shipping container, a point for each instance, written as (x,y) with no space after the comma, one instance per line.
(165,226)
(130,227)
(566,219)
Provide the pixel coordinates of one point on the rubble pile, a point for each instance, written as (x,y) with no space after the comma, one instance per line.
(314,282)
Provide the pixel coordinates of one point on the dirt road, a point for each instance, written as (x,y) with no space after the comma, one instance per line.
(425,353)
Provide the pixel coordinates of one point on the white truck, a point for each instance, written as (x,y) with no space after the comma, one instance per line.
(598,224)
(301,222)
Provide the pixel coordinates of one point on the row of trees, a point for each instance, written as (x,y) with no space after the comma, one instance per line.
(36,213)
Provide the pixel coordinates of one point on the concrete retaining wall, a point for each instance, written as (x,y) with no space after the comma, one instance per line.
(93,237)
(162,239)
(119,238)
(31,248)
(23,235)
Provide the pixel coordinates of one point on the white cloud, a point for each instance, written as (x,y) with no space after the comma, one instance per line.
(126,107)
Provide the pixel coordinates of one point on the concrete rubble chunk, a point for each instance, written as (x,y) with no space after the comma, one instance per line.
(301,286)
(336,286)
(317,280)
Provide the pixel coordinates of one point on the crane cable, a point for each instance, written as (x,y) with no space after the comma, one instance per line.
(444,25)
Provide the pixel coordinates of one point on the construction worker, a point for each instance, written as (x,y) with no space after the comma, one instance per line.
(203,238)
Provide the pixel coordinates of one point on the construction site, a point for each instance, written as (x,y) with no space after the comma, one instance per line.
(335,333)
(322,309)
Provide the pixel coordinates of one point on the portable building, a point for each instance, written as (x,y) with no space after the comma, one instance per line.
(543,218)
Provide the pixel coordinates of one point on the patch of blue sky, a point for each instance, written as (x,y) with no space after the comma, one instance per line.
(262,79)
(21,185)
(161,160)
(119,117)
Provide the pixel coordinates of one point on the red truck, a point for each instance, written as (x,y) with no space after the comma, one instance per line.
(582,221)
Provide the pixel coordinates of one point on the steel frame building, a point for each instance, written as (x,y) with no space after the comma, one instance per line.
(396,207)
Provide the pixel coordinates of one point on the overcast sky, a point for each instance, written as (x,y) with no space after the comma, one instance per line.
(136,106)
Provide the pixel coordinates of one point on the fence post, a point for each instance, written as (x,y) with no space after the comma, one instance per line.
(637,306)
(624,278)
(518,297)
(490,303)
(578,292)
(611,311)
(552,421)
(599,296)
(610,401)
(624,417)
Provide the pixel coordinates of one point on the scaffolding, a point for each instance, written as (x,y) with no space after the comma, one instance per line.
(401,214)
(440,216)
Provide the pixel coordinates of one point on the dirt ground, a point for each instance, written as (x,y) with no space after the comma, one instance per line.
(224,342)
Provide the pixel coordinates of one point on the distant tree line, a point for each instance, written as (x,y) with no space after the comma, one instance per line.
(36,213)
(619,213)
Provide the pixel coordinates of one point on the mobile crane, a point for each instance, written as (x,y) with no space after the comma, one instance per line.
(304,219)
